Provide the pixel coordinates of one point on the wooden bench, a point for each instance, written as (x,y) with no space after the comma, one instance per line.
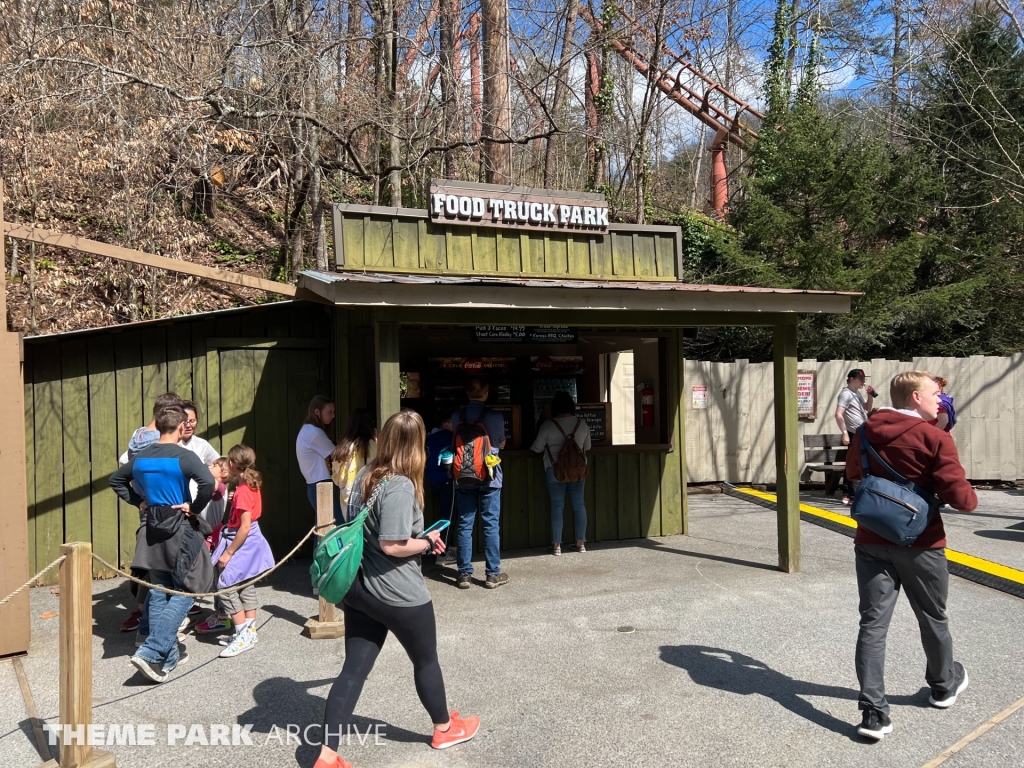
(827,454)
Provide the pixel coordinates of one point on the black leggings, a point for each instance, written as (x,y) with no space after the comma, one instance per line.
(367,623)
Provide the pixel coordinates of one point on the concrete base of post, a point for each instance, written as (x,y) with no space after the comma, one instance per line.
(324,630)
(98,758)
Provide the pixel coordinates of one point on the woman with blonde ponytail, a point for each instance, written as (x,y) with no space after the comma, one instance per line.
(242,553)
(389,593)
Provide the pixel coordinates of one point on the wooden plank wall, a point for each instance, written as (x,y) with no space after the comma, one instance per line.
(396,244)
(734,439)
(627,496)
(86,394)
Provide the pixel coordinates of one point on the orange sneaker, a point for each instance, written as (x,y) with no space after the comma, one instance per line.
(339,763)
(461,729)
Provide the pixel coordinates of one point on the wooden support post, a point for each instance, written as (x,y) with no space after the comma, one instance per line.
(388,388)
(787,444)
(683,405)
(329,625)
(15,622)
(76,661)
(342,383)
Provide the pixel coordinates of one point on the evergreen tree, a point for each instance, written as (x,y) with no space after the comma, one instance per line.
(969,129)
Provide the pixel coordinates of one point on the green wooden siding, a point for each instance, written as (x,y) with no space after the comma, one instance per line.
(382,240)
(628,495)
(85,395)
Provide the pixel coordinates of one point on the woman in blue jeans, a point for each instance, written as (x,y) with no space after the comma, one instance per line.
(550,438)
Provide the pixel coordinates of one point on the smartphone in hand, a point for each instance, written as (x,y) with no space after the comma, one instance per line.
(439,526)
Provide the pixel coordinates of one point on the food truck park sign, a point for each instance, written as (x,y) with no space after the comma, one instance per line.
(461,202)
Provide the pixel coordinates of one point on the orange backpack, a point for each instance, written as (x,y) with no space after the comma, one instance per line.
(571,466)
(471,444)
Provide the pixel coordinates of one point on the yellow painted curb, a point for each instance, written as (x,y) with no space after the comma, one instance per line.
(961,558)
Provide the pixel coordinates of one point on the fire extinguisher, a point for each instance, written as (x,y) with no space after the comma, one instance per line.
(647,405)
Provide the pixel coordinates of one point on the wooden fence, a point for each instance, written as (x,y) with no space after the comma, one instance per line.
(733,439)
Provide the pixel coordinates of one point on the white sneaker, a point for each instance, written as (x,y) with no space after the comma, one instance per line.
(242,641)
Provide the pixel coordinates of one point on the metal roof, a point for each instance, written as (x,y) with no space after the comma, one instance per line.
(168,320)
(539,282)
(517,294)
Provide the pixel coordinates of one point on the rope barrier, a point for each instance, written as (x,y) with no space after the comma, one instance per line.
(32,581)
(233,588)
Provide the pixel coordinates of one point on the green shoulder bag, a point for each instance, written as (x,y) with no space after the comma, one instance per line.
(337,557)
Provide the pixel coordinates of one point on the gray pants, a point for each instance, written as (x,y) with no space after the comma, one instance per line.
(924,576)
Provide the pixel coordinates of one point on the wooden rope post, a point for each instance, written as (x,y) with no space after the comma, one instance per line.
(329,625)
(76,662)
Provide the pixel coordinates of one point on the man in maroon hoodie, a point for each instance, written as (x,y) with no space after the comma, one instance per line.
(927,456)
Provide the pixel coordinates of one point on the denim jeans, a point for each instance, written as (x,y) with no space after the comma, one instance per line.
(556,491)
(166,612)
(144,618)
(488,500)
(339,518)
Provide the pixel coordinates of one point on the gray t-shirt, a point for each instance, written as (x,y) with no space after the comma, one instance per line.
(395,516)
(854,414)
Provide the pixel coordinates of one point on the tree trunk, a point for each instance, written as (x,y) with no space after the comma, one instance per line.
(354,45)
(595,123)
(561,85)
(449,32)
(394,143)
(476,92)
(497,112)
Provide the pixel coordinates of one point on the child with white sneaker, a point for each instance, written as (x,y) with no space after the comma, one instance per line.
(242,553)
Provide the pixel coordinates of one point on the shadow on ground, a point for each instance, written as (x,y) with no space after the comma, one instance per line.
(303,708)
(743,675)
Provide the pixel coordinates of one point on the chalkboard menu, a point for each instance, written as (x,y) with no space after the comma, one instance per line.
(598,416)
(513,431)
(526,334)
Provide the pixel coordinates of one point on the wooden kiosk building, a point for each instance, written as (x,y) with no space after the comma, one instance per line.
(490,287)
(532,289)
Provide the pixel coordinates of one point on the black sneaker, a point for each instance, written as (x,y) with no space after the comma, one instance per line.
(948,699)
(496,580)
(465,581)
(874,725)
(154,672)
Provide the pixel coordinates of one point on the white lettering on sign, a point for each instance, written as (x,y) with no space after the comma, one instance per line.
(522,208)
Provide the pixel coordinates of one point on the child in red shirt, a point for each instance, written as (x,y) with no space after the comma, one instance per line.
(242,553)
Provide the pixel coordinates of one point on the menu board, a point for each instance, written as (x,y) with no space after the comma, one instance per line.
(526,334)
(598,417)
(513,423)
(807,395)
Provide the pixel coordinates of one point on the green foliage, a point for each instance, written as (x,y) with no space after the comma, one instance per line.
(229,253)
(931,233)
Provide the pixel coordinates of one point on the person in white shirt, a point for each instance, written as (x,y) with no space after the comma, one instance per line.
(551,438)
(191,442)
(313,449)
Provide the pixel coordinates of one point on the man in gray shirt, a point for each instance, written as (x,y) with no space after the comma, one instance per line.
(851,412)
